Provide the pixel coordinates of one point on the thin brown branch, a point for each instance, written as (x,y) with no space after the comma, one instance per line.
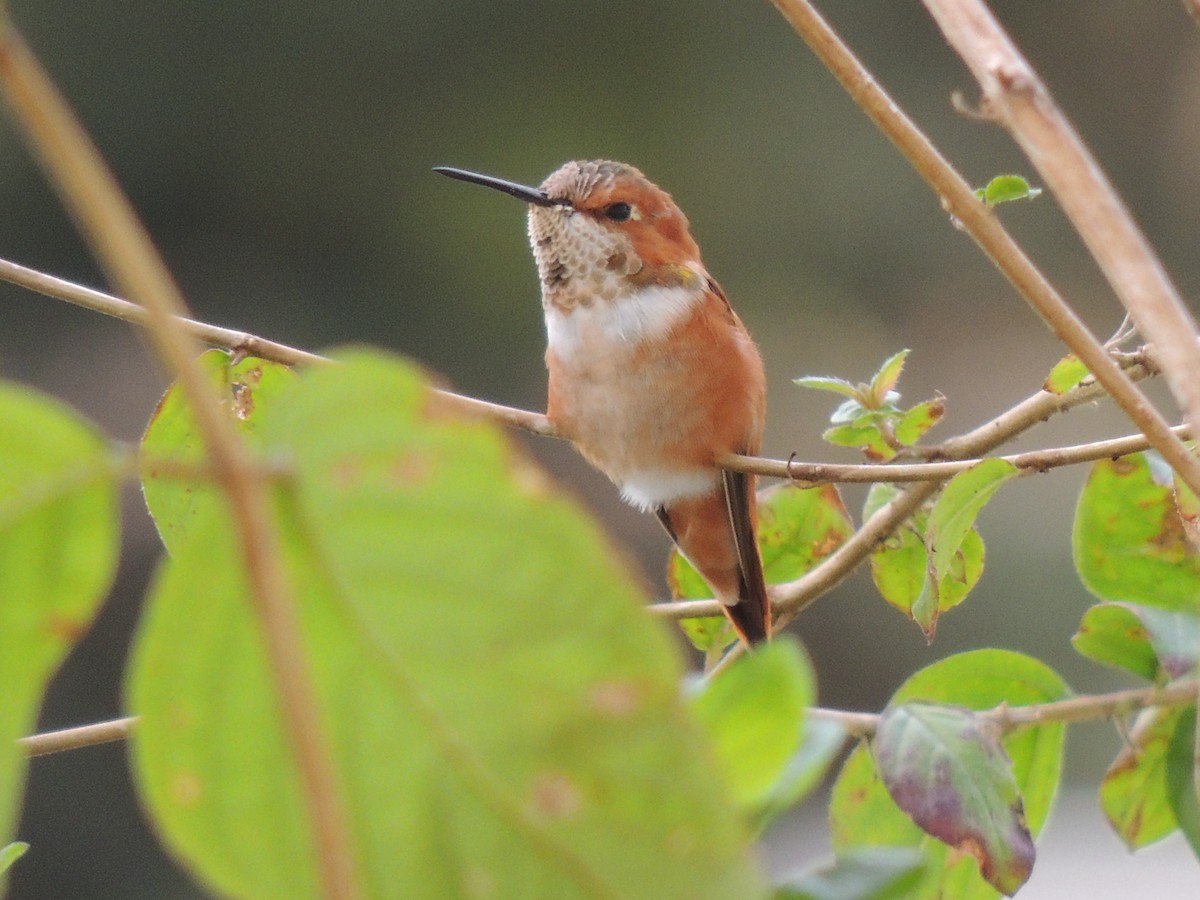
(1076,709)
(1018,99)
(74,738)
(958,198)
(856,724)
(794,596)
(798,472)
(875,473)
(121,245)
(239,342)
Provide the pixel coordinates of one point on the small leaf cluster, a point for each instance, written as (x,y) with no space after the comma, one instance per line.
(870,418)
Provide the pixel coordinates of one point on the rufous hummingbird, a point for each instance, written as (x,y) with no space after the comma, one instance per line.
(652,374)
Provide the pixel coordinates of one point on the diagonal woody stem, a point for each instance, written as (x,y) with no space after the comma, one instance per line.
(1018,99)
(107,221)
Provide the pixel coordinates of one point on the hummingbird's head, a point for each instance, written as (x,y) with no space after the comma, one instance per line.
(601,230)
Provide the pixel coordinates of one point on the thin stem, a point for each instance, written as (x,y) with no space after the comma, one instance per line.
(798,472)
(1075,709)
(857,724)
(121,245)
(1030,462)
(792,597)
(239,342)
(1017,98)
(958,198)
(74,738)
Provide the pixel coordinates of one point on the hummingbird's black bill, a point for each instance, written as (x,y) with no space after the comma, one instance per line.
(536,196)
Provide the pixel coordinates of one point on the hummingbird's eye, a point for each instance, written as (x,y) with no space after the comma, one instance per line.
(618,212)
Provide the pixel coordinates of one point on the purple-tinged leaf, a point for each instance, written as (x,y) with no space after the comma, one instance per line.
(945,767)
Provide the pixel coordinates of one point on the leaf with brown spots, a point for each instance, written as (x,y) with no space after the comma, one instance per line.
(1128,540)
(501,715)
(1134,792)
(247,387)
(797,529)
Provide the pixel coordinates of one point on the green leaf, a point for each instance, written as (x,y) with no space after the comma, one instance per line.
(828,383)
(879,496)
(1128,540)
(1181,778)
(754,714)
(945,768)
(913,424)
(1006,188)
(10,853)
(956,509)
(59,541)
(878,873)
(1174,637)
(1134,792)
(708,634)
(1111,634)
(502,717)
(884,381)
(867,438)
(246,387)
(797,529)
(901,572)
(1066,375)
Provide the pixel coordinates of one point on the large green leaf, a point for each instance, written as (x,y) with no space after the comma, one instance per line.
(959,504)
(1146,640)
(502,717)
(59,536)
(1129,541)
(246,387)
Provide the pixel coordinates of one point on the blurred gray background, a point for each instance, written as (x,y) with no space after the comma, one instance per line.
(279,153)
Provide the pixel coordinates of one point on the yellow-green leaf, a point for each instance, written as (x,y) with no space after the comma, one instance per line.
(501,715)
